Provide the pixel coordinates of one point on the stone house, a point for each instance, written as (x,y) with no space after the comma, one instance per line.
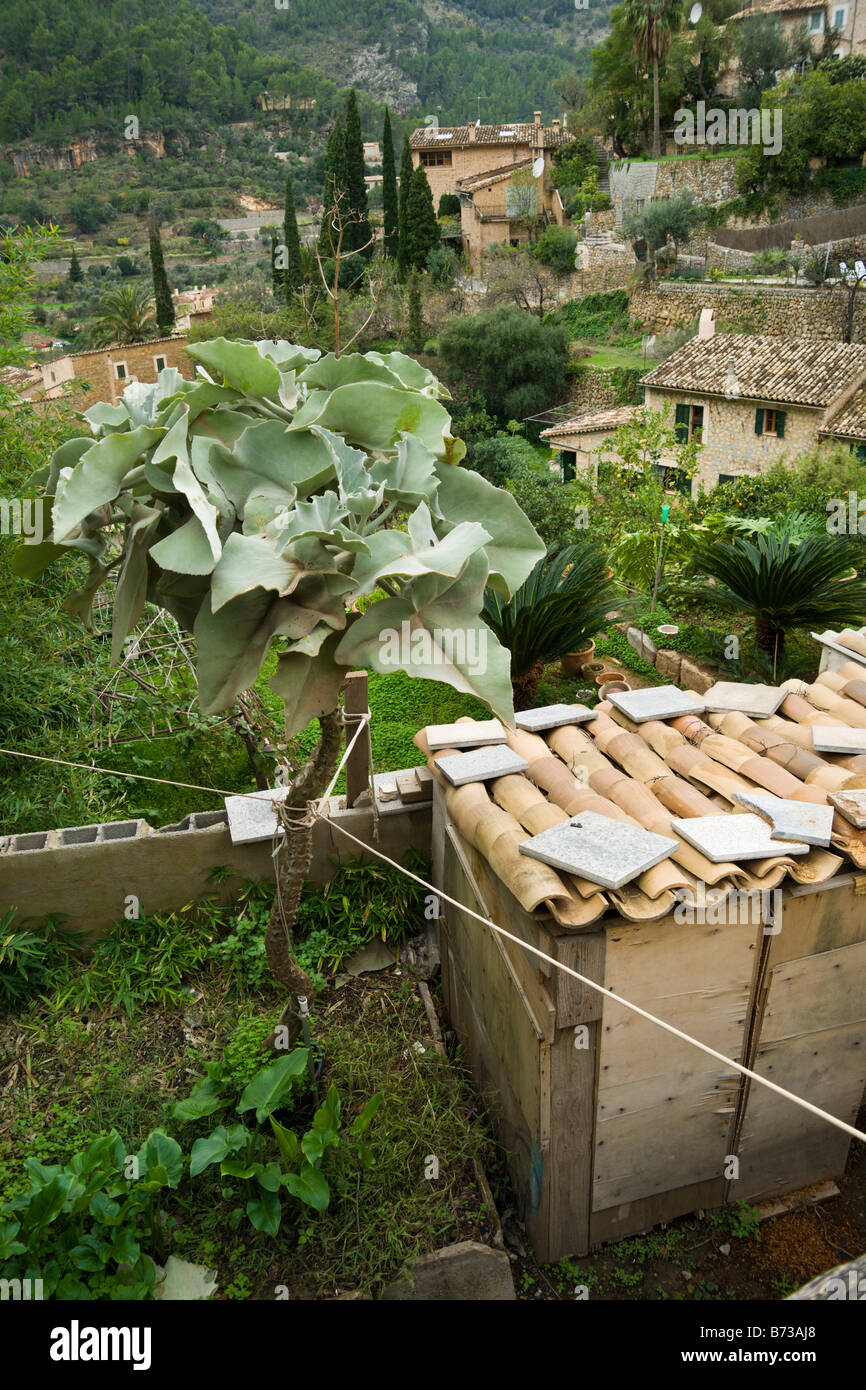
(580,440)
(479,163)
(847,17)
(108,371)
(755,401)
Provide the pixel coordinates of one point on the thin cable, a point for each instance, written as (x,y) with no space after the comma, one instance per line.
(363,720)
(593,984)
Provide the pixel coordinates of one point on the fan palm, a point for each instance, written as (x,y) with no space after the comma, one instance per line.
(556,610)
(653,23)
(124,315)
(784,584)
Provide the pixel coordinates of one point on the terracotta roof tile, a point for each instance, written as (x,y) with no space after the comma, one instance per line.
(593,420)
(850,421)
(491,176)
(519,133)
(798,371)
(777,7)
(650,773)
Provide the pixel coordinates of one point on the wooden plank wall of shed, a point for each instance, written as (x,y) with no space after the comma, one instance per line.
(664,1123)
(538,1077)
(810,1038)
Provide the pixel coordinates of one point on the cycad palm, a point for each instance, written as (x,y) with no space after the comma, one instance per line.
(784,585)
(653,23)
(125,315)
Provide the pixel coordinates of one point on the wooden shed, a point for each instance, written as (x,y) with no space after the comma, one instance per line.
(612,1125)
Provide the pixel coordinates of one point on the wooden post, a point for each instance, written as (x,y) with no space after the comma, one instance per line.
(355,704)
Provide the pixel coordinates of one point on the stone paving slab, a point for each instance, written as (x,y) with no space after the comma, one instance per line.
(758,701)
(483,733)
(829,738)
(852,805)
(605,851)
(480,765)
(552,717)
(656,702)
(252,817)
(733,838)
(792,820)
(828,639)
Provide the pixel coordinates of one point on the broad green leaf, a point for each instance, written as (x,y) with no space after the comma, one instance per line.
(330,372)
(514,548)
(411,476)
(186,551)
(233,643)
(270,1087)
(131,593)
(160,1151)
(270,1177)
(79,602)
(269,451)
(264,1212)
(31,560)
(310,1186)
(309,685)
(374,416)
(65,457)
(104,1210)
(96,477)
(411,373)
(240,364)
(362,1122)
(102,415)
(214,1147)
(47,1204)
(125,1249)
(288,356)
(287,1142)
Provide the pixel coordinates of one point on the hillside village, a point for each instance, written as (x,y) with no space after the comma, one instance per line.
(433,516)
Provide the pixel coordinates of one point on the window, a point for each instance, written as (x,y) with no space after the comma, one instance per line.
(120,371)
(568,458)
(435,158)
(840,17)
(859,452)
(769,421)
(674,479)
(816,22)
(159,363)
(689,423)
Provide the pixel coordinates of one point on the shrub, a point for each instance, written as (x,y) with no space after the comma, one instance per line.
(555,248)
(516,362)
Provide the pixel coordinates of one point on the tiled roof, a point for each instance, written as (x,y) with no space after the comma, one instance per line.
(518,133)
(593,420)
(126,347)
(486,176)
(850,421)
(778,7)
(800,371)
(649,773)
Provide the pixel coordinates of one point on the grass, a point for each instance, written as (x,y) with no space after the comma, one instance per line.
(607,358)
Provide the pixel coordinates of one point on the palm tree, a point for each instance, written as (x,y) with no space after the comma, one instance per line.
(653,23)
(784,583)
(124,315)
(555,611)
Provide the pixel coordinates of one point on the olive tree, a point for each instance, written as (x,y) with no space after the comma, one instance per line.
(263,503)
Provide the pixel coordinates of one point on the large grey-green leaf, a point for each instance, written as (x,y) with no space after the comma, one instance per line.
(515,546)
(233,643)
(309,685)
(240,364)
(411,373)
(186,551)
(268,449)
(374,416)
(97,476)
(251,562)
(330,372)
(411,476)
(130,595)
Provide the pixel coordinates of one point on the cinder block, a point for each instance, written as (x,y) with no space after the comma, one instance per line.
(411,789)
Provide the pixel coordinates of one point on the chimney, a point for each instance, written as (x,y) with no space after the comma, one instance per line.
(470,138)
(707,325)
(556,125)
(537,115)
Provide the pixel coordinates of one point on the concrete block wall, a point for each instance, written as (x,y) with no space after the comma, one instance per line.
(84,875)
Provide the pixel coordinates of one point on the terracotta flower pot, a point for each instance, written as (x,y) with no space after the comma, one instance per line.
(572,663)
(604,690)
(607,676)
(591,670)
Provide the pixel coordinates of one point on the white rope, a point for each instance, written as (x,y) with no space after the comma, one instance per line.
(584,980)
(363,719)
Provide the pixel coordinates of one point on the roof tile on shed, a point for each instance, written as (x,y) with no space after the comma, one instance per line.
(653,773)
(592,420)
(850,421)
(520,133)
(797,371)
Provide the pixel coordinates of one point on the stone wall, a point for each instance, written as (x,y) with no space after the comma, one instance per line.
(592,389)
(99,368)
(795,311)
(635,182)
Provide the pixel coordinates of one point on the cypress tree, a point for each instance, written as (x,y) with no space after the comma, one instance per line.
(360,231)
(293,275)
(75,272)
(421,227)
(405,184)
(336,187)
(161,291)
(390,202)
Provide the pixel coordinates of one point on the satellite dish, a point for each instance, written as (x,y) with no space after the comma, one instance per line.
(538,167)
(695,12)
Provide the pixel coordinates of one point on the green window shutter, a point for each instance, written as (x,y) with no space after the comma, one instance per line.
(569,465)
(681,424)
(780,424)
(759,421)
